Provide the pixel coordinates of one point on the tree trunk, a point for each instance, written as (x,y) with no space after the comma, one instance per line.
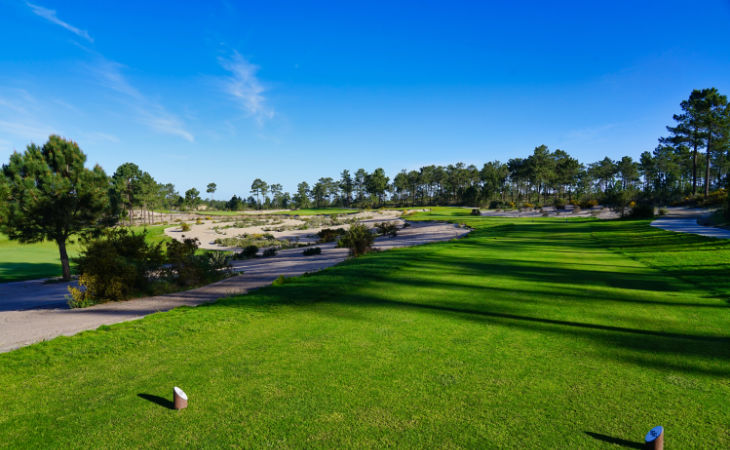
(694,169)
(707,165)
(64,259)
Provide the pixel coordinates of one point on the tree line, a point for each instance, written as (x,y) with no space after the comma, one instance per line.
(47,192)
(693,154)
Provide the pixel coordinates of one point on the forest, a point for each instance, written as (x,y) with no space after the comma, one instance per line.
(688,163)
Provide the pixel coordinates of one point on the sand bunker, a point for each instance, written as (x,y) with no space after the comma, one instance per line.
(295,229)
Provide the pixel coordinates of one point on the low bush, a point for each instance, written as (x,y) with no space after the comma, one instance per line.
(588,203)
(330,234)
(642,210)
(249,251)
(476,212)
(220,260)
(185,268)
(498,204)
(312,251)
(716,198)
(389,229)
(269,252)
(184,226)
(114,267)
(559,203)
(358,239)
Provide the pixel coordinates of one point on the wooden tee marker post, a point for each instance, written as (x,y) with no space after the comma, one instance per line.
(655,438)
(180,398)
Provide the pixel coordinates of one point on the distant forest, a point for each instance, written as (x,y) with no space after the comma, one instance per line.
(688,164)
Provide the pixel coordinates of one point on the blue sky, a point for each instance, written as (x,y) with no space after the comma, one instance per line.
(227,91)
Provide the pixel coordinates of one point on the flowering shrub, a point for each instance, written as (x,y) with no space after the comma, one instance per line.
(588,203)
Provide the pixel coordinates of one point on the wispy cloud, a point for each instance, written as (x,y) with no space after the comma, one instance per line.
(97,137)
(50,15)
(245,88)
(149,112)
(26,130)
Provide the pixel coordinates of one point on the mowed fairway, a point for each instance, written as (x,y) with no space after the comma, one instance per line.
(528,333)
(41,260)
(28,261)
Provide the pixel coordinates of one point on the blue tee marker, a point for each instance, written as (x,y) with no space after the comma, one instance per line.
(655,438)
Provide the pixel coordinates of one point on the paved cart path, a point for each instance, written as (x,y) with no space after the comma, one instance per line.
(21,326)
(684,220)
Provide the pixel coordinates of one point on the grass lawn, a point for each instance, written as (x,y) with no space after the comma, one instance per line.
(28,261)
(529,332)
(41,260)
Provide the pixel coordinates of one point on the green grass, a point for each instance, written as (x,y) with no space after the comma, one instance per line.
(29,261)
(41,260)
(536,333)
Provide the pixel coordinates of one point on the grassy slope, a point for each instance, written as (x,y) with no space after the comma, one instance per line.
(531,333)
(29,261)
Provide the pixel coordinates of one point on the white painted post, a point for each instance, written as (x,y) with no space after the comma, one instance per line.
(181,399)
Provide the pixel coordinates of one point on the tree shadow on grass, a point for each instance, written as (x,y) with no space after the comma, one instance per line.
(448,283)
(165,403)
(615,440)
(19,271)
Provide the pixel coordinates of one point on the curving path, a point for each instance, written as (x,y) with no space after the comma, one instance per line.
(684,220)
(684,225)
(21,326)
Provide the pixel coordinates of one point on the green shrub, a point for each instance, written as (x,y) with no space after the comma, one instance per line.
(279,281)
(312,251)
(114,267)
(588,203)
(185,267)
(642,210)
(184,226)
(358,239)
(330,234)
(476,212)
(219,260)
(559,203)
(269,252)
(249,251)
(389,229)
